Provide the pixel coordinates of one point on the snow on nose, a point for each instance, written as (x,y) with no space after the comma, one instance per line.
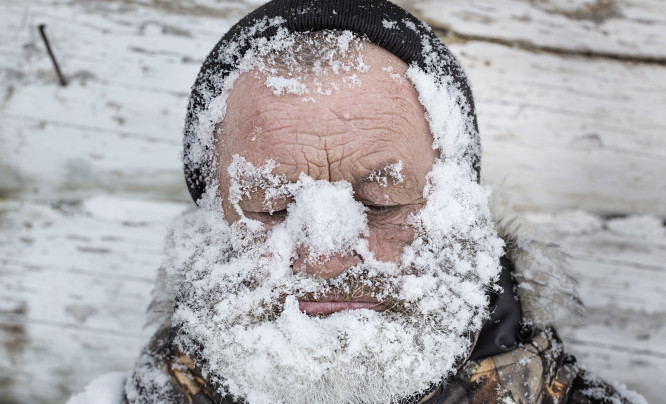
(325,218)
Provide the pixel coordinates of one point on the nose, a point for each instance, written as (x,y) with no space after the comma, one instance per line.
(324,267)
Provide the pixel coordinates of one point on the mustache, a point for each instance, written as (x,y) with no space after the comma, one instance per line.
(348,289)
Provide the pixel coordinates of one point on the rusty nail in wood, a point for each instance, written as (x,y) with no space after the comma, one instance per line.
(63,82)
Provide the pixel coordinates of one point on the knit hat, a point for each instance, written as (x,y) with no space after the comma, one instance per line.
(379,21)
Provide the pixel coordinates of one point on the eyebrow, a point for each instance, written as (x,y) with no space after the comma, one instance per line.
(371,175)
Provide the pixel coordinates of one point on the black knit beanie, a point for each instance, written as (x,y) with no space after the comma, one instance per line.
(379,21)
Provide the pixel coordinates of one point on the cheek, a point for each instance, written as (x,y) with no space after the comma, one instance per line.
(230,213)
(387,241)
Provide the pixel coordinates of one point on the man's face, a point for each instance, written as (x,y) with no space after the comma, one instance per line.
(341,253)
(352,135)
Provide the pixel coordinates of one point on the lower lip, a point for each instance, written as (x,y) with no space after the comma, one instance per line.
(323,308)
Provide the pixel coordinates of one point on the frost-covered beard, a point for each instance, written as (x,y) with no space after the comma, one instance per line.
(236,292)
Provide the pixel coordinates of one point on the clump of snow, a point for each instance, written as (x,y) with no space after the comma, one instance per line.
(446,109)
(391,172)
(389,24)
(282,85)
(410,25)
(325,217)
(247,178)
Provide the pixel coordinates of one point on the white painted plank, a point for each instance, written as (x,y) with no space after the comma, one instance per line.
(117,125)
(558,131)
(640,371)
(625,28)
(43,363)
(551,124)
(119,237)
(75,280)
(621,345)
(621,286)
(570,132)
(51,157)
(619,265)
(128,48)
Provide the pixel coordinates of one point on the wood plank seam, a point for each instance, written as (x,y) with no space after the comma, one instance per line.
(447,35)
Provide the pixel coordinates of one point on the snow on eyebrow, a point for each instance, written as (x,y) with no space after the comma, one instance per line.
(391,172)
(247,178)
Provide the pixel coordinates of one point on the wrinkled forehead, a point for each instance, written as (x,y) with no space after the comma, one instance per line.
(318,64)
(355,81)
(313,66)
(337,119)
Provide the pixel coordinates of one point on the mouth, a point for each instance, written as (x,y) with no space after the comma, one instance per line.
(334,302)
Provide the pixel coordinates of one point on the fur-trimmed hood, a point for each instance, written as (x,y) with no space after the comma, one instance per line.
(546,290)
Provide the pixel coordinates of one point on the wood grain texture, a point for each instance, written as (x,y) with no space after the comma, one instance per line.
(570,98)
(622,29)
(129,68)
(619,265)
(75,281)
(570,132)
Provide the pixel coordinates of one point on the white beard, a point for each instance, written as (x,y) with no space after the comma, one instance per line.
(231,311)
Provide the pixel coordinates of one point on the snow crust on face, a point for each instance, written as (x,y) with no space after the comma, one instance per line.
(314,63)
(392,172)
(448,121)
(236,295)
(292,63)
(236,291)
(201,149)
(323,216)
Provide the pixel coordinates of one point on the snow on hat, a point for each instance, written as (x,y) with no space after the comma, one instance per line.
(379,21)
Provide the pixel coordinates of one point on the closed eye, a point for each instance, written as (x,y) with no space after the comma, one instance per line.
(270,217)
(379,211)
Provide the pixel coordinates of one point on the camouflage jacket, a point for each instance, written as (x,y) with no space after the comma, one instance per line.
(537,371)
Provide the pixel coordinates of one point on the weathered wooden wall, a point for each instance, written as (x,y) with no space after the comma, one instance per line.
(570,98)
